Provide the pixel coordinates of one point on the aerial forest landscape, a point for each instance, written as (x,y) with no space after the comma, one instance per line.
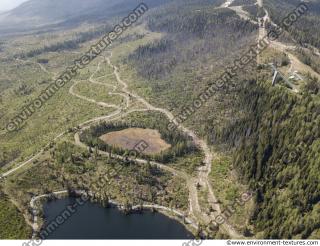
(194,120)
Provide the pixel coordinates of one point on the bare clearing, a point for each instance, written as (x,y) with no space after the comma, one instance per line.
(129,138)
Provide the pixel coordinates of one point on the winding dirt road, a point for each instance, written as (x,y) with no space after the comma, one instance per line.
(203,172)
(35,210)
(295,63)
(202,178)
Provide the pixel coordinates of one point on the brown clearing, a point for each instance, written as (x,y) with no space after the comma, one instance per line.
(129,138)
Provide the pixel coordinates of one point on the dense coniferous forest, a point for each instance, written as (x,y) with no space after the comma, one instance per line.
(280,159)
(277,152)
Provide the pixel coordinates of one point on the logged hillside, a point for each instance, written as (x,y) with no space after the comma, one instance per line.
(306,30)
(200,42)
(46,14)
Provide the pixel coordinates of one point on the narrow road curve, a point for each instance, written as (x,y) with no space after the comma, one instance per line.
(91,80)
(21,165)
(35,210)
(102,104)
(34,157)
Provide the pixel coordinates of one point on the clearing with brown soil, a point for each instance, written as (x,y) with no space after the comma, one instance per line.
(129,138)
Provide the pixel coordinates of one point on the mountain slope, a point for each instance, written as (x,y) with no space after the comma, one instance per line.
(39,13)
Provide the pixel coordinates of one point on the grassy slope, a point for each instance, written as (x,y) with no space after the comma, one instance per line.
(61,112)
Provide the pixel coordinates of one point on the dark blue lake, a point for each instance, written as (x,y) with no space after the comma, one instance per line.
(92,221)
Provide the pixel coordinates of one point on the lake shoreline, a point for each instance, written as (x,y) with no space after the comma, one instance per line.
(190,227)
